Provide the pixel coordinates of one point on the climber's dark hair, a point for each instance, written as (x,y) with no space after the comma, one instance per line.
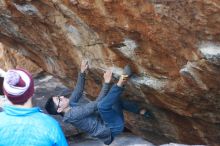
(51,107)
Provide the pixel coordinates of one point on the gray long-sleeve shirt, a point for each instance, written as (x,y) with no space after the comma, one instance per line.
(84,116)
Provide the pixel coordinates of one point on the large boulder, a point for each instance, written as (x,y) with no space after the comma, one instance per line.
(172,46)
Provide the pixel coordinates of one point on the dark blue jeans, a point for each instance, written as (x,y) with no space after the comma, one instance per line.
(111,109)
(111,112)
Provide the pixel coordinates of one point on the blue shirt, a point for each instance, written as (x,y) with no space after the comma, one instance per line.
(29,127)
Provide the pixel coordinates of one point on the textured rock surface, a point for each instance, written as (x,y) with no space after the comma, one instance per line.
(173,46)
(10,58)
(125,139)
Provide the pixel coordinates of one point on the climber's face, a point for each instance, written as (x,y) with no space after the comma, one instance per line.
(61,102)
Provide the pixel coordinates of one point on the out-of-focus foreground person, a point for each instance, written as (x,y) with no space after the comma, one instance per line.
(22,124)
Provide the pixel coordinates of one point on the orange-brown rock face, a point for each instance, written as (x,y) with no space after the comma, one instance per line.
(11,58)
(172,45)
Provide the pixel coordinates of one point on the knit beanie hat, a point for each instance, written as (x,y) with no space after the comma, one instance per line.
(18,85)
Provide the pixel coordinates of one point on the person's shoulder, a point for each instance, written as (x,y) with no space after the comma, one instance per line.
(2,113)
(48,123)
(47,117)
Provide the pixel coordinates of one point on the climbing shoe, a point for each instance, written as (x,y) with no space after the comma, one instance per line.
(127,72)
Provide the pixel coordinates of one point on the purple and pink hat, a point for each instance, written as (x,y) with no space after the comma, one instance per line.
(18,85)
